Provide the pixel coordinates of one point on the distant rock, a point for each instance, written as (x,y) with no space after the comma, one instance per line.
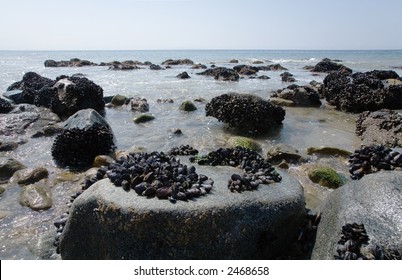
(183,76)
(287,77)
(143,118)
(375,202)
(125,65)
(245,111)
(233,61)
(299,95)
(257,62)
(272,67)
(380,127)
(358,92)
(155,67)
(178,62)
(74,62)
(221,73)
(328,66)
(86,134)
(199,66)
(245,70)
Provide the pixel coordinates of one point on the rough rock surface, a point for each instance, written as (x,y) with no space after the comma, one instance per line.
(327,66)
(108,223)
(8,166)
(380,127)
(5,106)
(183,75)
(245,111)
(300,95)
(86,134)
(374,201)
(139,105)
(29,175)
(358,92)
(221,73)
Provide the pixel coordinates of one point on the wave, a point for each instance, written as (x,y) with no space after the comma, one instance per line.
(302,60)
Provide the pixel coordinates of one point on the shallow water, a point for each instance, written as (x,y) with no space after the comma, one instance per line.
(21,227)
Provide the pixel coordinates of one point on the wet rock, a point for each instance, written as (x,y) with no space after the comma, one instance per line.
(102,160)
(325,176)
(287,77)
(155,67)
(284,152)
(124,65)
(187,106)
(380,127)
(245,111)
(30,84)
(37,197)
(48,130)
(233,61)
(281,102)
(29,175)
(8,146)
(373,158)
(167,100)
(182,150)
(246,70)
(143,118)
(2,190)
(254,225)
(257,62)
(263,77)
(199,66)
(272,67)
(8,166)
(4,214)
(244,142)
(221,73)
(178,62)
(183,75)
(74,62)
(373,201)
(118,100)
(327,66)
(5,106)
(362,91)
(86,134)
(328,151)
(139,105)
(71,94)
(299,95)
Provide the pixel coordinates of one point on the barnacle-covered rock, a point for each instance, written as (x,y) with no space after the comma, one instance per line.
(245,112)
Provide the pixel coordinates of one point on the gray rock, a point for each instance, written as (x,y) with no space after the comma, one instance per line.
(374,201)
(139,105)
(8,166)
(118,100)
(37,197)
(29,175)
(107,222)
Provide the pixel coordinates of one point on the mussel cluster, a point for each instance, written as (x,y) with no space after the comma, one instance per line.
(182,150)
(373,158)
(155,174)
(256,169)
(352,238)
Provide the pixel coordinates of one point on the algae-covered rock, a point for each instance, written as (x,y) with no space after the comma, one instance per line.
(325,176)
(118,100)
(244,142)
(329,151)
(187,106)
(143,118)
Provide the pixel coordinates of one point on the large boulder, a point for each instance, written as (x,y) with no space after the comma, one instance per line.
(380,127)
(300,95)
(86,134)
(245,112)
(71,94)
(107,222)
(369,91)
(30,84)
(221,73)
(327,66)
(374,202)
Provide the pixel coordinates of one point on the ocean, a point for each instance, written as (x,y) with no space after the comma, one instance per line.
(21,228)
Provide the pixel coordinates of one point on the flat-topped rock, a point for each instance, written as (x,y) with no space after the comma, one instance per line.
(107,222)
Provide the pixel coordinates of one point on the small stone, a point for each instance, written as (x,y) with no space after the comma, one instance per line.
(187,106)
(143,118)
(29,175)
(102,160)
(8,166)
(36,197)
(118,100)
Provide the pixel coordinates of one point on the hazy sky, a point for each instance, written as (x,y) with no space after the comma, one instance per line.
(199,24)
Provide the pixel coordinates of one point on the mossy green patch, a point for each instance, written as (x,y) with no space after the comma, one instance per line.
(326,177)
(187,106)
(244,142)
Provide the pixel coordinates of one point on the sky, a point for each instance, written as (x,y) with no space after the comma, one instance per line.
(200,24)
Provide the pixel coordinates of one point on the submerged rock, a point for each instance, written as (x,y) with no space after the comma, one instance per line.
(380,127)
(37,197)
(374,201)
(187,106)
(139,105)
(183,75)
(328,151)
(362,91)
(245,111)
(8,166)
(86,134)
(118,100)
(143,118)
(281,152)
(255,225)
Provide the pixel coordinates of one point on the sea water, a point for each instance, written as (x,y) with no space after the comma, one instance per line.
(22,228)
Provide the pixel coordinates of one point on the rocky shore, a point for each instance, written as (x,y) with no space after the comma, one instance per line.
(232,202)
